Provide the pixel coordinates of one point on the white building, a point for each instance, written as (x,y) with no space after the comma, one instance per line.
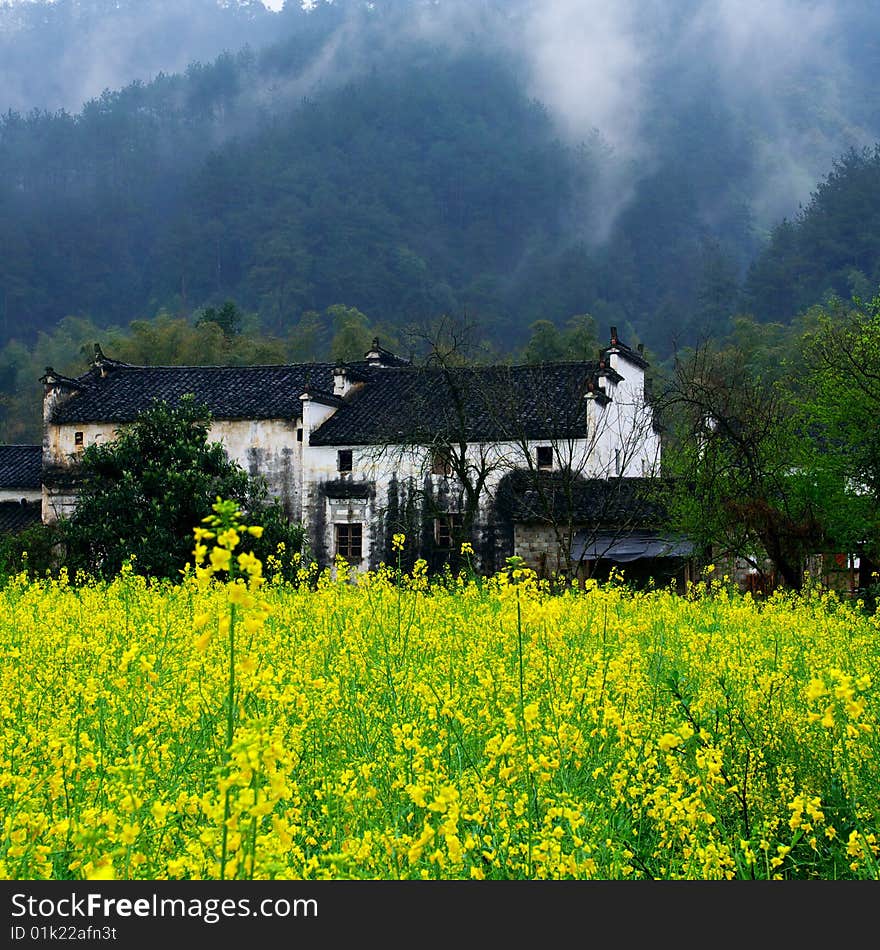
(362,451)
(20,486)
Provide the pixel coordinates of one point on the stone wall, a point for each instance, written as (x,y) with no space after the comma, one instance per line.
(539,547)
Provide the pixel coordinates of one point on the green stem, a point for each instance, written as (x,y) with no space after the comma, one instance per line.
(522,718)
(230,731)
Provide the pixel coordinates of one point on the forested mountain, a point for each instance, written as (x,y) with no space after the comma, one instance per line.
(61,53)
(832,246)
(507,162)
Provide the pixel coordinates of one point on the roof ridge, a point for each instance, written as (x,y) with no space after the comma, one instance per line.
(328,364)
(420,367)
(590,362)
(229,366)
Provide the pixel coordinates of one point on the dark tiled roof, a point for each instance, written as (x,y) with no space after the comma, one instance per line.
(15,516)
(396,403)
(21,467)
(230,392)
(548,497)
(425,405)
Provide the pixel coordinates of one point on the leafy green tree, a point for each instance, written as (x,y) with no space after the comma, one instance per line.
(306,338)
(352,333)
(33,550)
(577,341)
(840,399)
(716,292)
(228,317)
(735,447)
(581,337)
(141,495)
(545,343)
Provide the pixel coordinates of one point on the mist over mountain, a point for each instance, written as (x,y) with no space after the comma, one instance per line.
(511,161)
(59,54)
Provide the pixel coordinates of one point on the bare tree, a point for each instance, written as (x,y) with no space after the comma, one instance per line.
(596,448)
(524,441)
(439,439)
(734,450)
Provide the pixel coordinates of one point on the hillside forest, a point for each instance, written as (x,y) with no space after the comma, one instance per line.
(337,171)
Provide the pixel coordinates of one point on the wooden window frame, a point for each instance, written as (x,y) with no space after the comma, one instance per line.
(446,526)
(349,540)
(441,463)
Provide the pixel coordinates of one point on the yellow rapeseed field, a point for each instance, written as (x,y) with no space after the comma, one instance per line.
(389,727)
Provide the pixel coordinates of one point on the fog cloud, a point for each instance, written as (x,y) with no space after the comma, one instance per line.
(599,67)
(614,67)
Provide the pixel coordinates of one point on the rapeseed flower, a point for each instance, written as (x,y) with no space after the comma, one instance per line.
(385,728)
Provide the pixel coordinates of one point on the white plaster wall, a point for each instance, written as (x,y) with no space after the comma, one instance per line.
(59,448)
(60,451)
(264,447)
(380,465)
(628,424)
(56,504)
(16,494)
(319,466)
(314,413)
(267,448)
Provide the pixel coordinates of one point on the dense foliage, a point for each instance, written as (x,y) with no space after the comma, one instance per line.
(355,162)
(772,436)
(832,247)
(140,495)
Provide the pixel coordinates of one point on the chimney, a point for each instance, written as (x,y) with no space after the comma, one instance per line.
(379,356)
(614,340)
(594,391)
(99,361)
(341,382)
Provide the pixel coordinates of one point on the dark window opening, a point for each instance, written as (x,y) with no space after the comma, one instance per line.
(544,456)
(441,463)
(349,541)
(299,435)
(78,439)
(344,460)
(447,529)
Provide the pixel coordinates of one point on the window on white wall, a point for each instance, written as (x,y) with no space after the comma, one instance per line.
(544,457)
(446,529)
(344,460)
(350,541)
(440,461)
